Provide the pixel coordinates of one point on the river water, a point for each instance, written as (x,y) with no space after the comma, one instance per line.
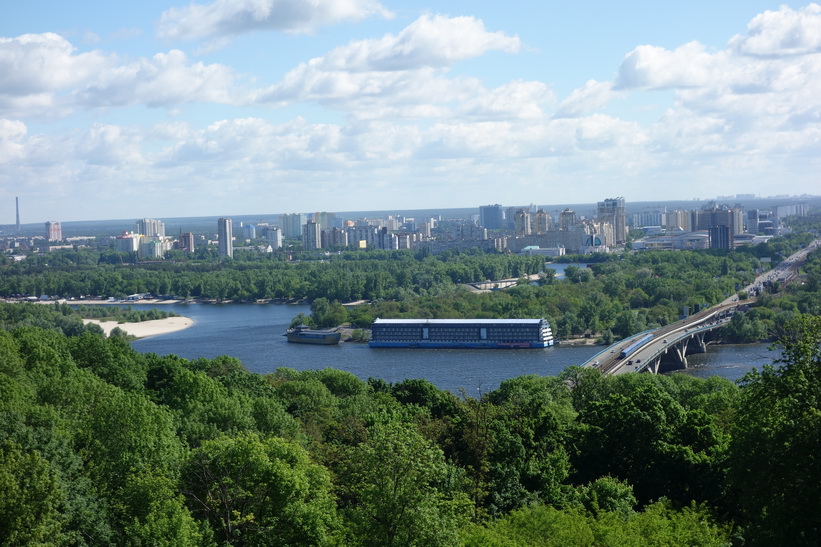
(253,334)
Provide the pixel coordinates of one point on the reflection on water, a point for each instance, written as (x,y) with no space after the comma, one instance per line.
(731,361)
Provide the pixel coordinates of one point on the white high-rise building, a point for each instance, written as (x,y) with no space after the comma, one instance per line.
(150,227)
(292,224)
(225,236)
(54,231)
(274,236)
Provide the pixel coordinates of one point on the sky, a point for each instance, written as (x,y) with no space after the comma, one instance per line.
(159,109)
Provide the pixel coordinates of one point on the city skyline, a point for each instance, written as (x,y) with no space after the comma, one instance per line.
(219,108)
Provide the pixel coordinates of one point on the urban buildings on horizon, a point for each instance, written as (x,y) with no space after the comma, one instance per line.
(522,229)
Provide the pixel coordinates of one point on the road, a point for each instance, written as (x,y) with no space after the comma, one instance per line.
(610,361)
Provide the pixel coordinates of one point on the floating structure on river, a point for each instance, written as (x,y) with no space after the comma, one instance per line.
(305,335)
(461,333)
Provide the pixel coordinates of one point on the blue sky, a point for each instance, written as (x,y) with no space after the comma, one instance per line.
(164,109)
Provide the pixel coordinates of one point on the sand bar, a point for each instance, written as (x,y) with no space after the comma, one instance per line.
(146,328)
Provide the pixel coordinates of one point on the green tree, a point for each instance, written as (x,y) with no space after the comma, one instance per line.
(260,491)
(774,463)
(641,434)
(30,500)
(398,484)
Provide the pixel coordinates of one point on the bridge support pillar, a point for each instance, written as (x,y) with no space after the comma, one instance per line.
(675,358)
(698,342)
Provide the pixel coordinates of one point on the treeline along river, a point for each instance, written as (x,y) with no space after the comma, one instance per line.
(253,334)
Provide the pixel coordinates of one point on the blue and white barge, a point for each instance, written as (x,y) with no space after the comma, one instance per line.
(461,333)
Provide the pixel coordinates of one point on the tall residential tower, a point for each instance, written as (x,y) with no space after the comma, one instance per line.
(612,210)
(225,236)
(54,231)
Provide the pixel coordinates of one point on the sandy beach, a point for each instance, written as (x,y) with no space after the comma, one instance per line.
(146,328)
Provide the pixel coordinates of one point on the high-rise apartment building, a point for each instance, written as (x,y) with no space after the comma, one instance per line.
(491,217)
(249,231)
(225,237)
(187,242)
(292,225)
(753,216)
(567,220)
(128,242)
(326,221)
(150,227)
(521,222)
(362,236)
(706,218)
(651,216)
(612,210)
(335,237)
(54,231)
(679,221)
(311,236)
(274,236)
(540,222)
(721,237)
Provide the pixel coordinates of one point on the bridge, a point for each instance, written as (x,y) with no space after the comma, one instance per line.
(668,347)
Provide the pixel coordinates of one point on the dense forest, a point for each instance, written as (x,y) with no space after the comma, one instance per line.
(103,445)
(349,276)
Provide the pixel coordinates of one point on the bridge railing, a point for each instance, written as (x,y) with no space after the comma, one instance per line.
(605,351)
(688,334)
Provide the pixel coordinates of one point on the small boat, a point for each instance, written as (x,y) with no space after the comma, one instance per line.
(303,334)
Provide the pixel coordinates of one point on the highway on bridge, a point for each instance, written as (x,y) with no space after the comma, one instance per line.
(676,337)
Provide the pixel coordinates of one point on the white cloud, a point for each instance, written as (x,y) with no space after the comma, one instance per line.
(12,133)
(163,80)
(430,41)
(749,111)
(654,67)
(761,94)
(44,76)
(231,17)
(403,72)
(515,100)
(37,63)
(592,96)
(782,33)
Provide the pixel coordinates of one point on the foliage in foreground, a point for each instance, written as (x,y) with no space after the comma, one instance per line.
(102,445)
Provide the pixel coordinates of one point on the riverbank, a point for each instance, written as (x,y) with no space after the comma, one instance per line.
(145,329)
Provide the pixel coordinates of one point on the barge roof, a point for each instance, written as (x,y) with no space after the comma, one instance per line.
(458,321)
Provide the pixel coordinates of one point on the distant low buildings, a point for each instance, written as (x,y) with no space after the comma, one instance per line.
(153,248)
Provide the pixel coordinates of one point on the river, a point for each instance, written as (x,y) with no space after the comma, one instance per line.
(253,334)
